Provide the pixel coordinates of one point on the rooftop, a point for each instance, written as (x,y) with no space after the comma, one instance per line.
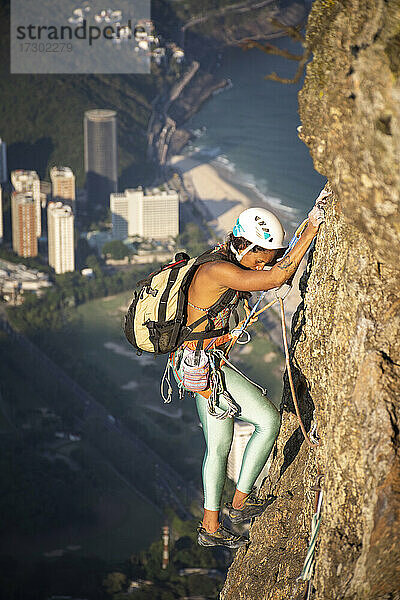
(61,172)
(100,114)
(60,209)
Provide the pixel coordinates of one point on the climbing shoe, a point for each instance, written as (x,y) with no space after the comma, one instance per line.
(221,537)
(252,507)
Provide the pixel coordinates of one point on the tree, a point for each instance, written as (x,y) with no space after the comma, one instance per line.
(116,249)
(82,251)
(114,582)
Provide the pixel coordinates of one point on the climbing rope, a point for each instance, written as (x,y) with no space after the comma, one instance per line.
(308,567)
(240,329)
(289,372)
(307,571)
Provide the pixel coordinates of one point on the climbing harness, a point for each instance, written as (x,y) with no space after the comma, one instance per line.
(215,380)
(223,357)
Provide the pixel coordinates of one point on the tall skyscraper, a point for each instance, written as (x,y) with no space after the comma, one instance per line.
(1,215)
(28,181)
(148,214)
(3,161)
(63,185)
(101,163)
(23,216)
(60,233)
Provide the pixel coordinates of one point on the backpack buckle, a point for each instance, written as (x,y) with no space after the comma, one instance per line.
(151,291)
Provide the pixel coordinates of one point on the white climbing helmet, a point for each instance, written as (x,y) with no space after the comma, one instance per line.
(260,227)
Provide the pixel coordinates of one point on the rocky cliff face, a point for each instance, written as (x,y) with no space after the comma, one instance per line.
(346,332)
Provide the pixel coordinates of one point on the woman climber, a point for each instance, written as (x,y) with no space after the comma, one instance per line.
(222,391)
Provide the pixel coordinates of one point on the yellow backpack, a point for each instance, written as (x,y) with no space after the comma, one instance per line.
(156,318)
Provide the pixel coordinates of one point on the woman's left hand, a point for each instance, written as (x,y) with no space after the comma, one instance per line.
(322,198)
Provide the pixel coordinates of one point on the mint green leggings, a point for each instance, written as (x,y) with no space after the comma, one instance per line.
(255,408)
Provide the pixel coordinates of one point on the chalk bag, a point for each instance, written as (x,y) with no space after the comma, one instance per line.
(195,370)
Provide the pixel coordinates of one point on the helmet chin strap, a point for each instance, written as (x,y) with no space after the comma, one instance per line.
(240,255)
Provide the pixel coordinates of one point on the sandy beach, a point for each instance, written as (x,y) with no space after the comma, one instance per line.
(223,201)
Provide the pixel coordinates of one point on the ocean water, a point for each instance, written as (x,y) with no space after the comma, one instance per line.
(251,130)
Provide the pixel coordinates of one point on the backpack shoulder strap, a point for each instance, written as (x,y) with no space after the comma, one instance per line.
(211,256)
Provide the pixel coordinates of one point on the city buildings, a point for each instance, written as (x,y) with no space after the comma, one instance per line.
(28,181)
(148,214)
(24,229)
(45,193)
(101,166)
(63,185)
(3,161)
(60,233)
(17,279)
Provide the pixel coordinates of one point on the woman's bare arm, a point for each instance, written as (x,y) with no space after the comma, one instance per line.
(228,275)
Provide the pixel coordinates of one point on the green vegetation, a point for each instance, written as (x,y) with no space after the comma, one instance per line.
(193,239)
(101,360)
(39,315)
(39,493)
(33,263)
(116,249)
(96,579)
(64,496)
(56,491)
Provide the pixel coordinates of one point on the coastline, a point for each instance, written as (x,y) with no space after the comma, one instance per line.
(221,201)
(222,195)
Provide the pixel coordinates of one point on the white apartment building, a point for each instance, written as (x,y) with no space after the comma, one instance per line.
(242,432)
(149,214)
(63,185)
(119,215)
(3,161)
(60,232)
(28,181)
